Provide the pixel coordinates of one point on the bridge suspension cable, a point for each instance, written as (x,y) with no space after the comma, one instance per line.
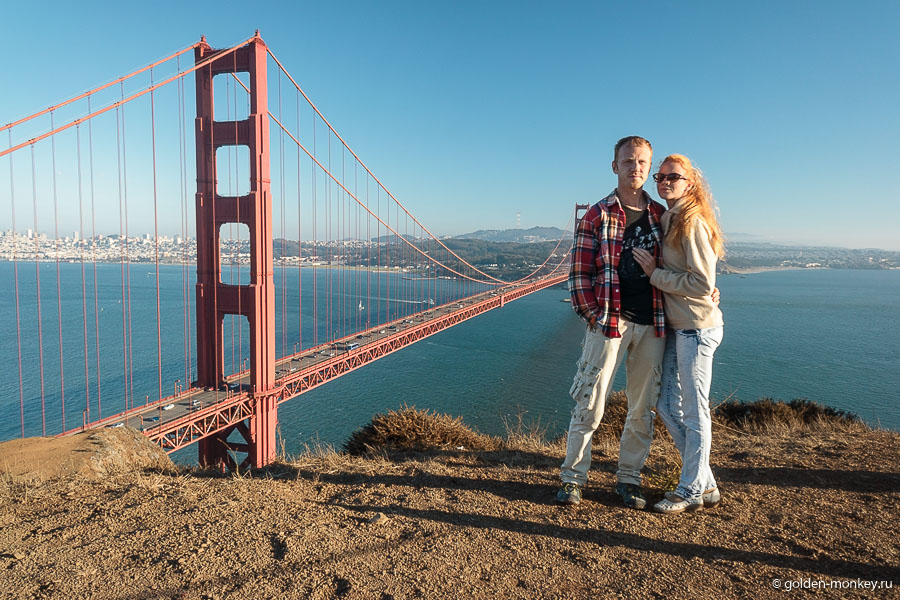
(136,95)
(89,93)
(381,185)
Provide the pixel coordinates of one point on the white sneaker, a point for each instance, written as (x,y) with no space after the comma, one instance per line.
(673,504)
(711,497)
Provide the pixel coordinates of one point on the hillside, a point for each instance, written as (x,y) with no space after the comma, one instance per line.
(535,234)
(439,511)
(743,255)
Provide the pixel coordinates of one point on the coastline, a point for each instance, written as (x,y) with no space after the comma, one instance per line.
(173,263)
(754,270)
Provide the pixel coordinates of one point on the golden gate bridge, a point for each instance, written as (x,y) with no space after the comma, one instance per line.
(243,342)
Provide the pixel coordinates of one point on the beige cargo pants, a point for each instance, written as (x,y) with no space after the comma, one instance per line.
(597,367)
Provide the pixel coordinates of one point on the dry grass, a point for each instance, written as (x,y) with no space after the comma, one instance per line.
(663,474)
(21,489)
(614,414)
(418,430)
(8,488)
(375,446)
(772,416)
(320,457)
(410,429)
(528,436)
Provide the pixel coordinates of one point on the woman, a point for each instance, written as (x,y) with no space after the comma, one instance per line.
(691,246)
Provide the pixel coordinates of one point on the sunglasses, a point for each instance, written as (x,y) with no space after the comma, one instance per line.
(671,177)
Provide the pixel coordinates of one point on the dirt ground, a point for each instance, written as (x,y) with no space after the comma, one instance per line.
(802,506)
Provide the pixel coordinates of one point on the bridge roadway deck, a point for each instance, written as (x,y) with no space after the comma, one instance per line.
(187,416)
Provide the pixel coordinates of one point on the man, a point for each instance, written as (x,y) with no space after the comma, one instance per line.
(624,315)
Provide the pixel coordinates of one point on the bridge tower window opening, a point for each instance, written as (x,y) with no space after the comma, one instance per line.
(236,350)
(233,171)
(234,254)
(231,101)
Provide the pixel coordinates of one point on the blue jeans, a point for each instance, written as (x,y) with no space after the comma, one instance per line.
(684,404)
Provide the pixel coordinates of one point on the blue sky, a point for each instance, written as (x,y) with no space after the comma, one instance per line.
(472,111)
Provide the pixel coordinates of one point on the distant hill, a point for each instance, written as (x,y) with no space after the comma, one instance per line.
(747,255)
(393,239)
(522,236)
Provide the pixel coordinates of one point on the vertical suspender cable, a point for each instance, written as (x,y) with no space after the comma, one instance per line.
(62,379)
(368,259)
(237,180)
(410,268)
(343,211)
(156,240)
(299,238)
(37,275)
(329,316)
(130,336)
(339,251)
(94,259)
(12,203)
(230,254)
(358,266)
(315,245)
(214,172)
(378,255)
(389,246)
(123,301)
(183,210)
(87,379)
(233,258)
(407,285)
(283,219)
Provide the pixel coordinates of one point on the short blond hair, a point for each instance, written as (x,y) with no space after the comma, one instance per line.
(634,140)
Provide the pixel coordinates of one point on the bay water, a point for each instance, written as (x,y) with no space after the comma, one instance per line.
(831,336)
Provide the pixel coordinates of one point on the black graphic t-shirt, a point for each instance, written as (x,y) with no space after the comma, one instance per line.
(634,285)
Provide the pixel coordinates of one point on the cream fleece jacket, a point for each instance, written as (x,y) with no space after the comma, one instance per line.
(688,276)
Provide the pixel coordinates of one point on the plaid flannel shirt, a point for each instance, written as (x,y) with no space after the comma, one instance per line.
(594,276)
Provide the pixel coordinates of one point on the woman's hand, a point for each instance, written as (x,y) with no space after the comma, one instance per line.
(645,260)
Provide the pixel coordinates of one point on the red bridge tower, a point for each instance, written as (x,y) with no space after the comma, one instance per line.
(215,299)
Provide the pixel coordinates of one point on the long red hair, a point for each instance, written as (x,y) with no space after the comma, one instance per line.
(699,204)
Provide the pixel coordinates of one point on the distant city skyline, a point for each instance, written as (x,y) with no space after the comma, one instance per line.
(484,115)
(730,238)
